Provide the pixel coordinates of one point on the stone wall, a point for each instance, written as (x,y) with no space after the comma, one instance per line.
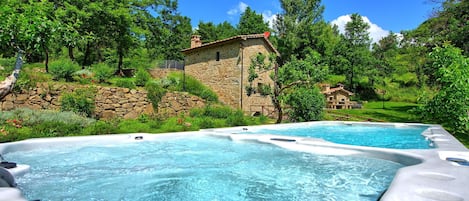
(228,77)
(110,101)
(178,103)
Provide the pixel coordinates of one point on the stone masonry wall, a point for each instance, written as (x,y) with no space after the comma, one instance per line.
(224,76)
(110,101)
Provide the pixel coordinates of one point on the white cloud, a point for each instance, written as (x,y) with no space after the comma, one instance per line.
(269,17)
(239,9)
(376,32)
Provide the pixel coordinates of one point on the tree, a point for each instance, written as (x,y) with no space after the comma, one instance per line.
(297,27)
(251,23)
(306,104)
(30,26)
(450,106)
(210,32)
(358,54)
(167,33)
(295,74)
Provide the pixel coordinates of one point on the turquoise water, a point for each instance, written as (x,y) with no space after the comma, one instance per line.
(197,168)
(406,137)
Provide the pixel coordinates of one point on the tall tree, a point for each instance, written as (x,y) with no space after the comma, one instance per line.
(210,32)
(358,50)
(385,52)
(295,28)
(207,31)
(251,23)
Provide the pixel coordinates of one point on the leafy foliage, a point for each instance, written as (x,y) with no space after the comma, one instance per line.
(180,82)
(102,72)
(450,107)
(142,77)
(154,93)
(81,101)
(63,69)
(306,104)
(251,23)
(125,83)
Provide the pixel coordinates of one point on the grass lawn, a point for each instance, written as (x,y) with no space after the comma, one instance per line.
(374,111)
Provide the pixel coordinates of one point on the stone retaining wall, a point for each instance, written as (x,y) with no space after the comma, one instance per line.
(110,101)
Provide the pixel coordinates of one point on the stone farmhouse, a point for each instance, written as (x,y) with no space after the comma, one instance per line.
(223,66)
(338,97)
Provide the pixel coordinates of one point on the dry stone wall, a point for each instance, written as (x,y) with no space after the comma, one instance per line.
(110,102)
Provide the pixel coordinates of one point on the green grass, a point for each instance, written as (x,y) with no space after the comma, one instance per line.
(23,124)
(374,111)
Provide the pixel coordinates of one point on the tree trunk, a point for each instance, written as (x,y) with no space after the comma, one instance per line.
(47,59)
(119,64)
(70,53)
(85,57)
(275,96)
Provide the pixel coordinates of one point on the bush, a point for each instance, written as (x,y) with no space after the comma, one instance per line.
(102,72)
(63,69)
(83,76)
(154,93)
(236,119)
(133,126)
(6,66)
(125,83)
(81,101)
(406,80)
(142,77)
(100,127)
(306,104)
(219,112)
(55,129)
(191,85)
(30,117)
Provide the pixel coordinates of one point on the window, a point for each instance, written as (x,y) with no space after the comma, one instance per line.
(218,56)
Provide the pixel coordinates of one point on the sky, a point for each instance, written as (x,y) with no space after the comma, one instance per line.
(382,15)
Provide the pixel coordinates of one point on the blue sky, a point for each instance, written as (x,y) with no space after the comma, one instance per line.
(383,15)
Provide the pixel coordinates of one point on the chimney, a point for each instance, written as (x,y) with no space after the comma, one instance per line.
(325,87)
(195,41)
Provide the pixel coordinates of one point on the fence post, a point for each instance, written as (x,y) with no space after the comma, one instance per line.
(184,75)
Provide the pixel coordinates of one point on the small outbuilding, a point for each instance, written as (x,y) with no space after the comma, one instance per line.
(337,97)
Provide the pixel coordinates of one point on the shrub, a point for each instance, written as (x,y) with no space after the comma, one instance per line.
(236,119)
(133,126)
(219,112)
(6,66)
(154,93)
(125,83)
(100,127)
(81,101)
(30,117)
(191,85)
(63,69)
(306,104)
(55,129)
(102,72)
(142,77)
(450,105)
(83,76)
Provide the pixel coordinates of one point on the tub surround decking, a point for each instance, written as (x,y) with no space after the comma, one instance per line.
(428,174)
